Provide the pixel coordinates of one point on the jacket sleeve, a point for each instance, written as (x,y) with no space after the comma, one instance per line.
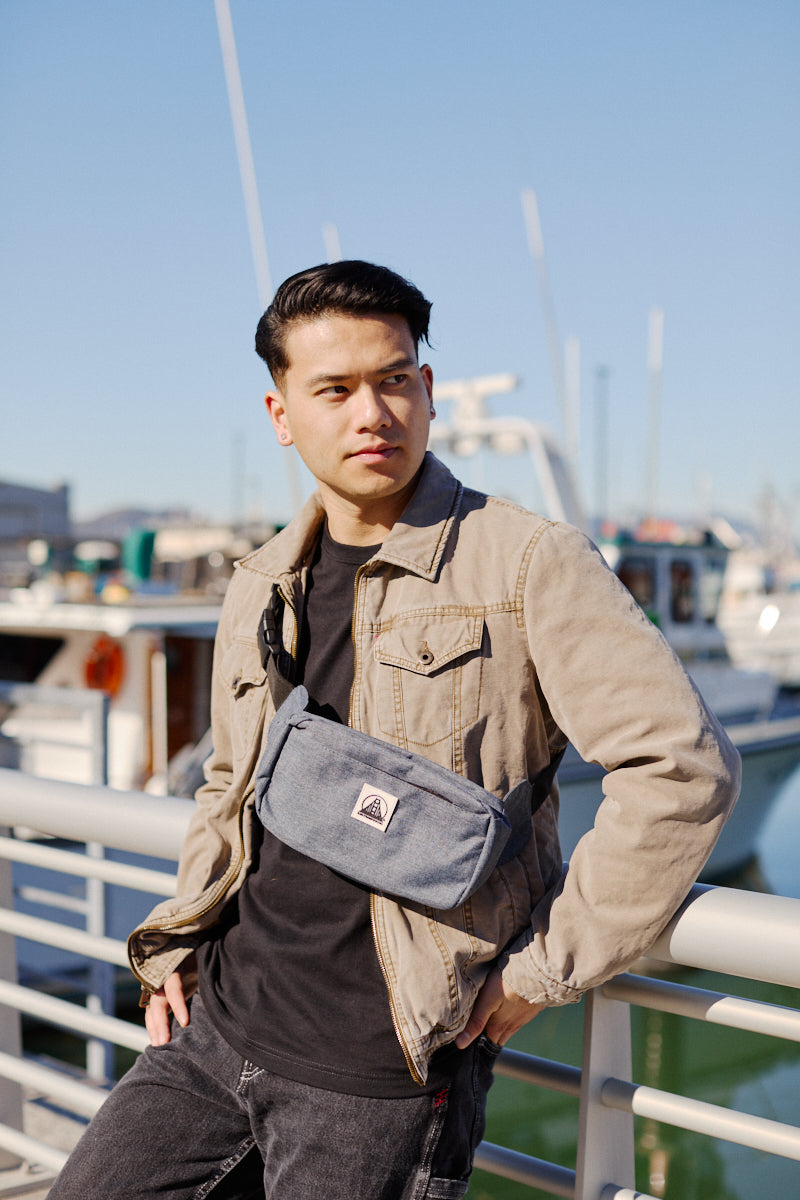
(196,865)
(618,692)
(207,856)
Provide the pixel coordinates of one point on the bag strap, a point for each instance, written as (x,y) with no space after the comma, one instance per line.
(522,802)
(275,659)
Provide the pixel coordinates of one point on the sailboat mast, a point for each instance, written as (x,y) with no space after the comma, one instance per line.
(252,203)
(655,360)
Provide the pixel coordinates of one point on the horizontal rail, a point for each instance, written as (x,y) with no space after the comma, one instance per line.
(82,699)
(522,1168)
(557,1077)
(60,900)
(50,933)
(749,934)
(71,1016)
(80,1097)
(714,1007)
(700,1117)
(69,862)
(31,1150)
(612,1192)
(132,821)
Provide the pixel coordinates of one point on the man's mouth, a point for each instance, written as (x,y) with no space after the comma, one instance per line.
(374,453)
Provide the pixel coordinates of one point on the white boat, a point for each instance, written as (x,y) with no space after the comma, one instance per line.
(679,587)
(150,655)
(760,618)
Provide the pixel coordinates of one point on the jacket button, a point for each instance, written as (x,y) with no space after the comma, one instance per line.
(426,655)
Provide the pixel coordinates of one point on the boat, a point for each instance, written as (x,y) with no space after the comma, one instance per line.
(760,617)
(679,585)
(150,654)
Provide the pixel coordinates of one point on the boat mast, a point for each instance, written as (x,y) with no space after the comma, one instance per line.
(565,401)
(255,224)
(655,360)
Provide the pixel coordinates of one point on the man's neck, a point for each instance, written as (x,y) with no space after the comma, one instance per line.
(363,525)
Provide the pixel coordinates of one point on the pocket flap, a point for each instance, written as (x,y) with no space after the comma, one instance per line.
(426,646)
(242,667)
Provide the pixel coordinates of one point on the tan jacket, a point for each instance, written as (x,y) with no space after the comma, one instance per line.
(485,638)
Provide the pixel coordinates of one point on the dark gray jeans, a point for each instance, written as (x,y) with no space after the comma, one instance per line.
(193,1119)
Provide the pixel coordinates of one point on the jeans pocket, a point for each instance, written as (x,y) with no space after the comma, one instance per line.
(464,1122)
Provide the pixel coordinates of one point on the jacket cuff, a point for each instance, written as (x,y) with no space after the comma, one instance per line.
(522,975)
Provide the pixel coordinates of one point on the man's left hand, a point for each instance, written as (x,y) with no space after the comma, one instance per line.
(498,1013)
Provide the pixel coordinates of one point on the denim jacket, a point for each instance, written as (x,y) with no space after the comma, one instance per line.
(486,637)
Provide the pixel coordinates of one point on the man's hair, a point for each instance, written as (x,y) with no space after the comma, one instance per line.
(349,288)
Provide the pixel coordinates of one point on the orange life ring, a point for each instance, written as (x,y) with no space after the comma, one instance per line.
(104,668)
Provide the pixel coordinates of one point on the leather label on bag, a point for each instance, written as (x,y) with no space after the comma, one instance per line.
(374,807)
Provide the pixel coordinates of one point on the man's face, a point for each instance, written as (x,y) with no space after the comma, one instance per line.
(357,406)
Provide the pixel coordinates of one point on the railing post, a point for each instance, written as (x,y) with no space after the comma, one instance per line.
(605,1135)
(10,1036)
(100,998)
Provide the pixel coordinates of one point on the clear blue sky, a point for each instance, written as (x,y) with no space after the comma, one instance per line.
(661,139)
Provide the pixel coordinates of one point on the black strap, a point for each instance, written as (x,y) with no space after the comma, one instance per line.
(542,781)
(275,659)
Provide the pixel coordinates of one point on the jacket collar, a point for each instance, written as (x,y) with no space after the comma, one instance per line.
(416,541)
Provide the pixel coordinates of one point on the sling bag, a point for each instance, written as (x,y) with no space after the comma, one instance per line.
(385,817)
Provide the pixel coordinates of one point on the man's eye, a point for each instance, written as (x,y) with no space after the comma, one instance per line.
(395,380)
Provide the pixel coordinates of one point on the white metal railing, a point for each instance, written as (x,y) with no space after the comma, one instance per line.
(744,934)
(90,739)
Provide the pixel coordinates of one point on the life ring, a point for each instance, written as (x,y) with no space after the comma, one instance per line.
(104,668)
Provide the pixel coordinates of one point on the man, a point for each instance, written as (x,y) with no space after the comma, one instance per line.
(340,1041)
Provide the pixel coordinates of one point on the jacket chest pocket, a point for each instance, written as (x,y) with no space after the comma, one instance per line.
(246,682)
(429,681)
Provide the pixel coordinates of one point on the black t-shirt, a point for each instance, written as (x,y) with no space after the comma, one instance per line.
(292,979)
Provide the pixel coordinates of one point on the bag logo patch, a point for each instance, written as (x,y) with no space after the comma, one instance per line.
(374,807)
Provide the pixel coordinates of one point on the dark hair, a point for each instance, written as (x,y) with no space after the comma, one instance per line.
(349,287)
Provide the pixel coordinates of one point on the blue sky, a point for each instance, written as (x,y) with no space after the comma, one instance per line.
(661,141)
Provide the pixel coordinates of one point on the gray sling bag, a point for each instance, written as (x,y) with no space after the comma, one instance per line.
(385,817)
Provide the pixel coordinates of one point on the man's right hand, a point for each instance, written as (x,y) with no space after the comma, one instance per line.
(168,999)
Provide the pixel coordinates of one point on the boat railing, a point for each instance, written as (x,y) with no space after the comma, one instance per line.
(742,934)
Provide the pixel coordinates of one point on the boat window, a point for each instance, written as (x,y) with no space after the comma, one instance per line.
(23,657)
(711,583)
(639,577)
(681,598)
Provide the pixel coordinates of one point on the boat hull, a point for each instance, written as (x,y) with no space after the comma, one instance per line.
(770,752)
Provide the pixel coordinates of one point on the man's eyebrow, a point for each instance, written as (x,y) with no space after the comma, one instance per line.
(399,364)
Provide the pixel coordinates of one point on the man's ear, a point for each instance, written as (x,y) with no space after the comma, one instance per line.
(276,408)
(427,378)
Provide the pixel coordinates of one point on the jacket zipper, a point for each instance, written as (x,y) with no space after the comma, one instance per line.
(415,1075)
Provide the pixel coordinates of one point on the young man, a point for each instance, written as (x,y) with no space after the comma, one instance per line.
(340,1042)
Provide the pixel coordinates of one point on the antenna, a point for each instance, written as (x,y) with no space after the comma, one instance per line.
(333,250)
(533,227)
(655,362)
(252,204)
(572,385)
(601,376)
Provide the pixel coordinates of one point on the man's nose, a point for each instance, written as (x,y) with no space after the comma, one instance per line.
(372,410)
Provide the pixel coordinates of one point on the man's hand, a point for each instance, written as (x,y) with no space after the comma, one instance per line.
(498,1013)
(169,998)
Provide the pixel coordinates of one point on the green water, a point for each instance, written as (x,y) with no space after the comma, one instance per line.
(750,1072)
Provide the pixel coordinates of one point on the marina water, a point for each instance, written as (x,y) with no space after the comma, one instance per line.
(752,1072)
